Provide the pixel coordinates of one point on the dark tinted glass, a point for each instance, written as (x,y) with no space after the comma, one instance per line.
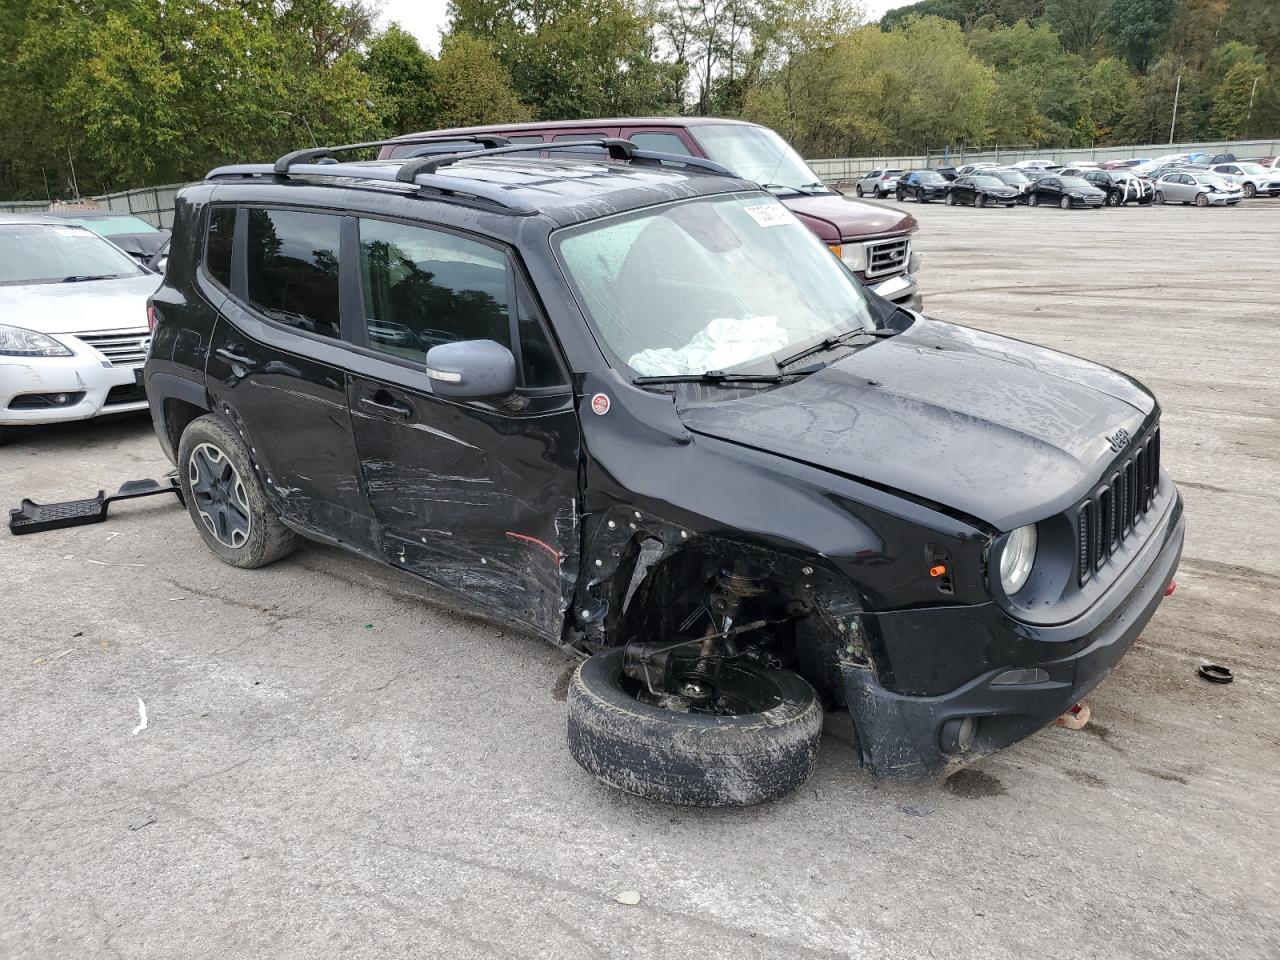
(222,224)
(660,143)
(424,287)
(293,269)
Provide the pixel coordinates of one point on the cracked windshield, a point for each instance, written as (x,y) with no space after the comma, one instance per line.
(710,285)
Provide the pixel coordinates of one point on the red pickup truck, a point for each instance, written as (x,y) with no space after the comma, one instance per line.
(873,240)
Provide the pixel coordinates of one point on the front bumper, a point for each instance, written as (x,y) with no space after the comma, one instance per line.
(92,384)
(1222,199)
(901,289)
(902,736)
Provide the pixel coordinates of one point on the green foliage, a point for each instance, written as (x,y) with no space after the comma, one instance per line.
(136,92)
(870,91)
(1235,98)
(474,87)
(405,76)
(571,59)
(1078,23)
(1135,28)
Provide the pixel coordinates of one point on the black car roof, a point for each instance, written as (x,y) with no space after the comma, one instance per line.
(564,188)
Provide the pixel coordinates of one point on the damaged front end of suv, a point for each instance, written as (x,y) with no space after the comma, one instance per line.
(951,534)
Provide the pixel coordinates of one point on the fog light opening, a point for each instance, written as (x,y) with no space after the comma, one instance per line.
(957,734)
(1024,675)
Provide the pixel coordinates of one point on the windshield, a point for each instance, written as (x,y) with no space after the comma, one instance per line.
(114,226)
(1216,179)
(48,253)
(931,177)
(988,181)
(757,154)
(1253,168)
(1075,183)
(1013,177)
(709,284)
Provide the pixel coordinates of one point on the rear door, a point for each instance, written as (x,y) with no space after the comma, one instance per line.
(480,498)
(275,369)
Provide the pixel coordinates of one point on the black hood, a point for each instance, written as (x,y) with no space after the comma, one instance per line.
(1000,430)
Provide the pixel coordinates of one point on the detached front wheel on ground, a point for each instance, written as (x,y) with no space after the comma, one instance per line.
(757,741)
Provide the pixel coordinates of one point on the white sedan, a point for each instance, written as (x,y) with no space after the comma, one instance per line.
(73,323)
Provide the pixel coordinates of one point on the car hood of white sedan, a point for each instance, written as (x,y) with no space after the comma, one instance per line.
(90,305)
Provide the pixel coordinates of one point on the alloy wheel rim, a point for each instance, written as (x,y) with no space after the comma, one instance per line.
(219,496)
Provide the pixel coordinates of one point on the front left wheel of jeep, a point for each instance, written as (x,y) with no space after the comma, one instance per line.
(745,734)
(226,499)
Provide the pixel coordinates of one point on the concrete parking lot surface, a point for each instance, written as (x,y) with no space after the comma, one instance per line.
(336,765)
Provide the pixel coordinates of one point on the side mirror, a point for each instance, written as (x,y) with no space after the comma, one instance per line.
(471,370)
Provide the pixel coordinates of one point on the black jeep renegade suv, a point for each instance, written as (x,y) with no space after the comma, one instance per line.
(634,406)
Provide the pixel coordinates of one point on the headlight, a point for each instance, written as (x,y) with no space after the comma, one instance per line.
(853,254)
(17,342)
(1077,195)
(1017,558)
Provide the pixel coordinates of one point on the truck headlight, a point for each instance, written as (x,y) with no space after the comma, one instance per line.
(17,342)
(854,256)
(1017,558)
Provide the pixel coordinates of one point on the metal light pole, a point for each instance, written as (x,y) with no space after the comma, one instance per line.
(1252,93)
(1177,89)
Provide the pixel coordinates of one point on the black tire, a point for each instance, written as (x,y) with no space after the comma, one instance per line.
(980,200)
(1033,200)
(1158,198)
(857,189)
(266,538)
(1113,199)
(692,759)
(1065,203)
(951,200)
(1250,191)
(1202,200)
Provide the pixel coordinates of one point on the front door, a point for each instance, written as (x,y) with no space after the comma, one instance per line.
(480,498)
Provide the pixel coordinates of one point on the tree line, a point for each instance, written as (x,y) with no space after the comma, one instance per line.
(105,95)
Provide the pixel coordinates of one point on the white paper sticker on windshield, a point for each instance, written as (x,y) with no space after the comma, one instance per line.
(770,214)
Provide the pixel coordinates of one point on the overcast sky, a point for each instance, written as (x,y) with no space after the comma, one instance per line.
(425,18)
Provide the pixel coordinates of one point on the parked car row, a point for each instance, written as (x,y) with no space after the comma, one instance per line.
(1081,186)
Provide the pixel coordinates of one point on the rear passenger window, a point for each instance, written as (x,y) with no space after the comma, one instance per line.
(660,143)
(424,287)
(293,269)
(217,255)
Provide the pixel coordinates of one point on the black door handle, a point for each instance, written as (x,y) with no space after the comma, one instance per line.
(235,358)
(386,406)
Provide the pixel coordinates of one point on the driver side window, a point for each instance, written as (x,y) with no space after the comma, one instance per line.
(425,287)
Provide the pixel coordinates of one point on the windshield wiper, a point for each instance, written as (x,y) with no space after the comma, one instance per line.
(816,185)
(78,278)
(835,341)
(710,376)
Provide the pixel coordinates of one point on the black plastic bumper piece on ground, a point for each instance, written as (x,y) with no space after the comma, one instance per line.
(34,517)
(900,736)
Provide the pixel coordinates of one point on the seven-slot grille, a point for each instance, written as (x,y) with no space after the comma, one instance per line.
(887,256)
(1107,519)
(127,346)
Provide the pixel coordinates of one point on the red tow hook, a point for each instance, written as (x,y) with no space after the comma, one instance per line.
(1173,585)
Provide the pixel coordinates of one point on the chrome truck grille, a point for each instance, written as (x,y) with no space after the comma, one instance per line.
(885,257)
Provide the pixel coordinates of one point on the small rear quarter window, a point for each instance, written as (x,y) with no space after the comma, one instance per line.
(217,255)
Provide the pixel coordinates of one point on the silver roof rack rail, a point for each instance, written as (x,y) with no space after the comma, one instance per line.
(445,185)
(284,163)
(616,147)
